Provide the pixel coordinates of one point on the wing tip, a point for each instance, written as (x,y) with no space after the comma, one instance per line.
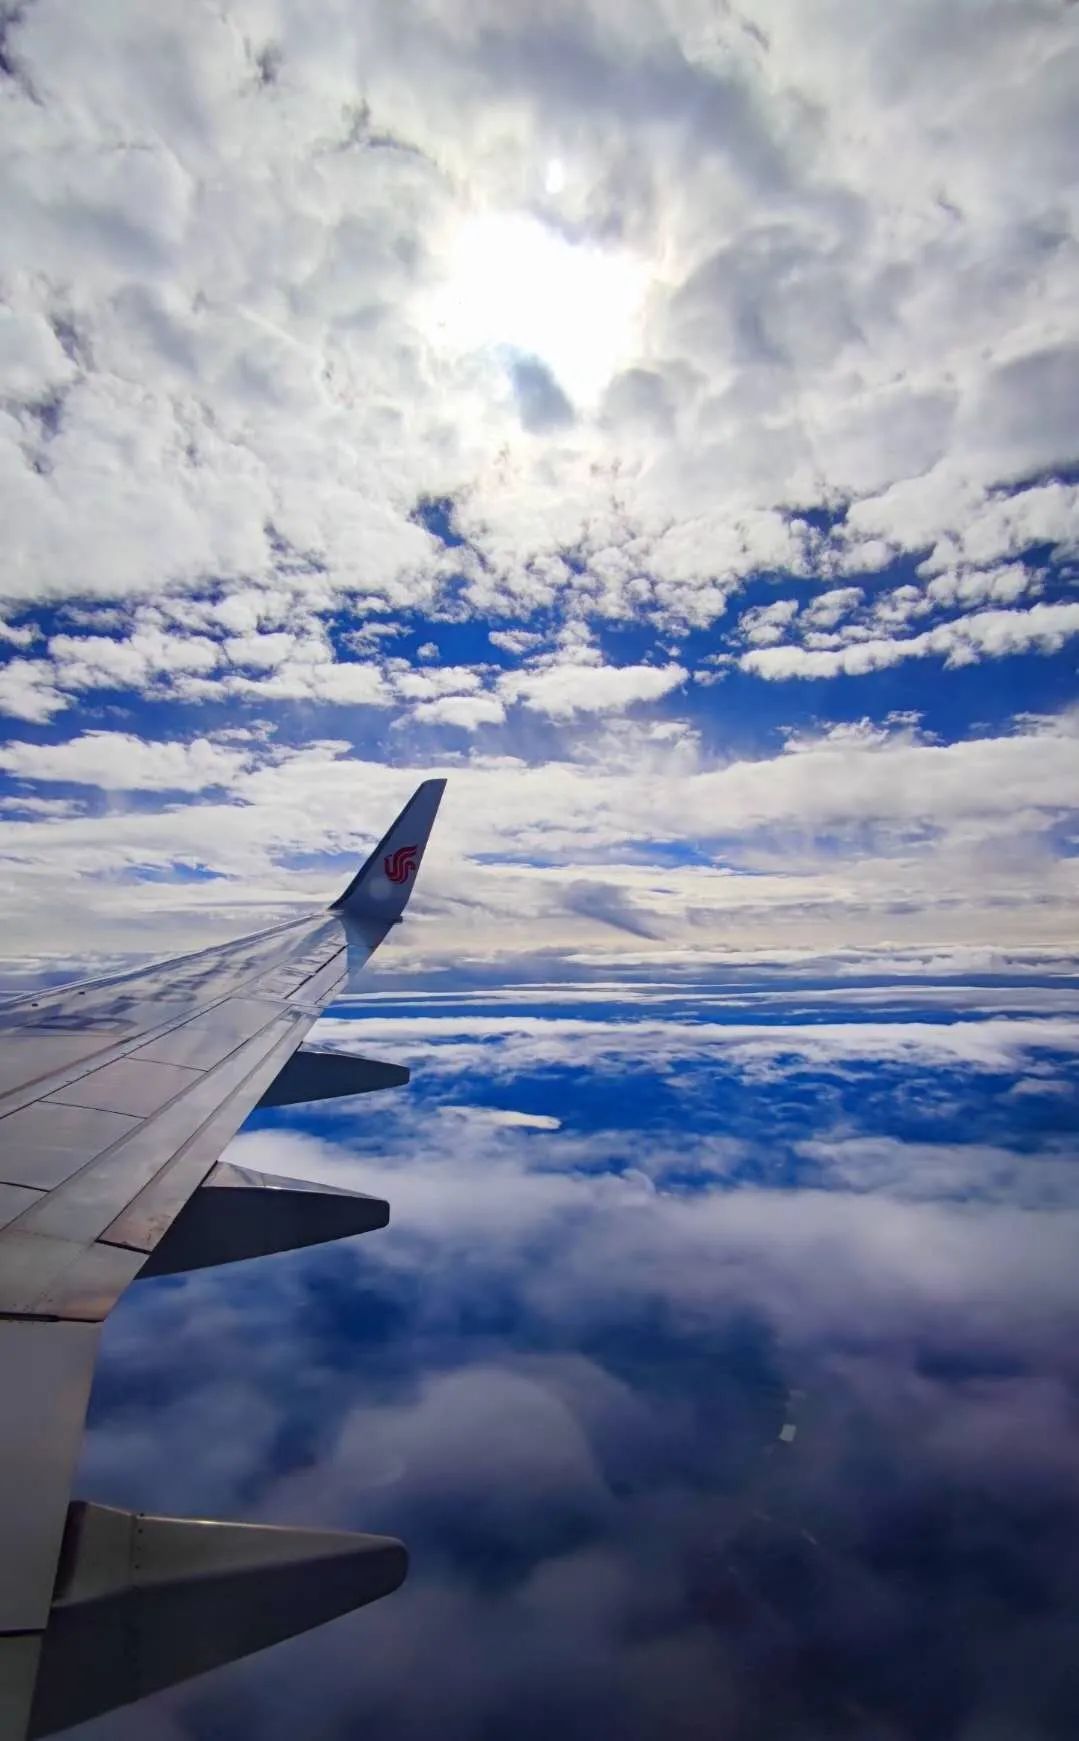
(429,790)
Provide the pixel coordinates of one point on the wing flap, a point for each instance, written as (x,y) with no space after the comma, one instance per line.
(312,1074)
(144,1601)
(239,1214)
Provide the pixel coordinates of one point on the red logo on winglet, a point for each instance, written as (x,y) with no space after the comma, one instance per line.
(400,865)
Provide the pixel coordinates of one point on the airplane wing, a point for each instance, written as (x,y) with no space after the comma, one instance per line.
(116,1098)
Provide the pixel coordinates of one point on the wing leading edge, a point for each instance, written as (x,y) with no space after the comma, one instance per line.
(117,1097)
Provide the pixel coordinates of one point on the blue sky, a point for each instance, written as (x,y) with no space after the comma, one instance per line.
(660,419)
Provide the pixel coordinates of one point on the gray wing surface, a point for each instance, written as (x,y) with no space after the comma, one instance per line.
(117,1097)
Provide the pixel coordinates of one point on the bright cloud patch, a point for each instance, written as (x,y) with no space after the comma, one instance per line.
(984,635)
(505,1118)
(520,290)
(120,760)
(562,691)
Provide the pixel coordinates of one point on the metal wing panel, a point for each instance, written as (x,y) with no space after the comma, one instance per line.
(56,1039)
(44,1143)
(27,1057)
(144,1601)
(91,1138)
(145,995)
(116,1099)
(13,1200)
(49,1368)
(90,1125)
(237,1214)
(128,1085)
(99,1138)
(195,1123)
(148,1215)
(206,1039)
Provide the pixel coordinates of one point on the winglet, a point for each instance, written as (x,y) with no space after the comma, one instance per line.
(378,893)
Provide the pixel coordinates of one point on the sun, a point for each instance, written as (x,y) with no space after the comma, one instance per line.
(517,287)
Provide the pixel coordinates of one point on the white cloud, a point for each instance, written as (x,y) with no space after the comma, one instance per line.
(32,362)
(766,624)
(961,523)
(131,662)
(27,691)
(228,355)
(168,653)
(236,398)
(800,1257)
(935,846)
(468,712)
(1015,997)
(942,1333)
(1005,525)
(989,634)
(503,1117)
(120,761)
(503,1045)
(961,1172)
(828,608)
(40,806)
(564,690)
(267,652)
(982,586)
(514,640)
(19,635)
(345,683)
(439,680)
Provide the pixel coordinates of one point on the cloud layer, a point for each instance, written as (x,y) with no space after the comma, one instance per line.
(267,286)
(750,1369)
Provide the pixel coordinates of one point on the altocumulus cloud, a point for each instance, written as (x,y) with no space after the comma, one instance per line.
(525,398)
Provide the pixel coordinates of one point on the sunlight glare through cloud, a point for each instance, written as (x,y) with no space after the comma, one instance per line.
(513,284)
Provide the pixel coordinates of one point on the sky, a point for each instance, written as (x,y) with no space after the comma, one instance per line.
(661,418)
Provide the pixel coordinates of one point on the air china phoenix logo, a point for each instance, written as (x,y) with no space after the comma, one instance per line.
(400,865)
